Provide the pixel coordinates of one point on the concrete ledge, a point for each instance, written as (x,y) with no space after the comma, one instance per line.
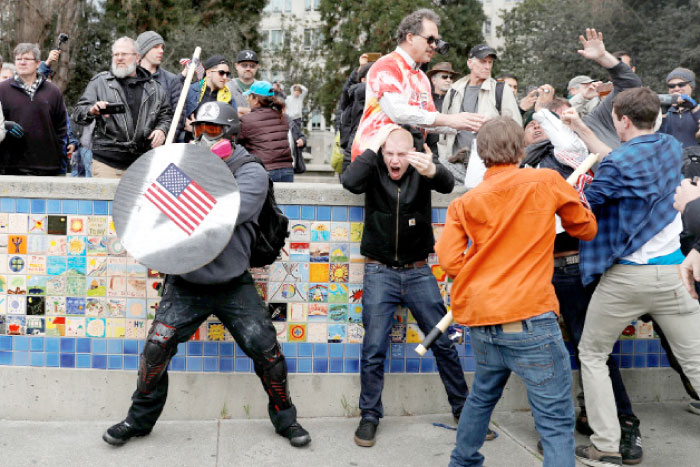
(104,189)
(65,394)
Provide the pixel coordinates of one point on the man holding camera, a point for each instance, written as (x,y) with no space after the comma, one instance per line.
(477,93)
(681,83)
(35,119)
(131,110)
(399,92)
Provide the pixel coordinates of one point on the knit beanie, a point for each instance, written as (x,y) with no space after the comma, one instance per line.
(684,74)
(147,40)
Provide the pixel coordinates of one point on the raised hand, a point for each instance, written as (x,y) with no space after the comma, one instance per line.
(593,45)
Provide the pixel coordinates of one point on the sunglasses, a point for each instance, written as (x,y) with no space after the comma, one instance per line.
(446,77)
(210,129)
(678,85)
(441,46)
(224,73)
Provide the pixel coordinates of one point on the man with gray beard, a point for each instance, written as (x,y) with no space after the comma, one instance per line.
(138,123)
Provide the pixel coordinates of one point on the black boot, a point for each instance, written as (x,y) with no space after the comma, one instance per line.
(630,440)
(119,434)
(285,423)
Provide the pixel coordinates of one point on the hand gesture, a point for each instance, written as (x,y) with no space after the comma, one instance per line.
(591,90)
(423,162)
(468,121)
(528,102)
(685,193)
(380,137)
(593,45)
(546,95)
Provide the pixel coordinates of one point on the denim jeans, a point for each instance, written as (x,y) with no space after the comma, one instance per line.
(573,302)
(384,289)
(282,175)
(538,356)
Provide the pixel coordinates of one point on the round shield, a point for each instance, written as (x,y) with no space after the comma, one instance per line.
(176,207)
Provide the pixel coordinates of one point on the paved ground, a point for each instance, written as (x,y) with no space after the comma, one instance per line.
(671,438)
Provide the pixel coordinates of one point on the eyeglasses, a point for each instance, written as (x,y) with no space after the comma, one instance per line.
(250,65)
(210,129)
(223,73)
(441,46)
(446,77)
(123,55)
(430,39)
(678,85)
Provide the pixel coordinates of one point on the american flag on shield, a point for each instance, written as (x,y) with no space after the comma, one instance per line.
(180,198)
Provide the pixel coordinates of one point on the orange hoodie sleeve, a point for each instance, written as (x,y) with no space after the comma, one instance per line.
(577,220)
(453,241)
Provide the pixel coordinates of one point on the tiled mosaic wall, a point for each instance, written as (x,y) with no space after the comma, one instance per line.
(71,297)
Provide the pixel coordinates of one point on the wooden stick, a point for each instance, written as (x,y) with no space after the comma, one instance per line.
(183,95)
(446,320)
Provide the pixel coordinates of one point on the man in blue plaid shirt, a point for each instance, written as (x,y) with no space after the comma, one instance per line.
(636,255)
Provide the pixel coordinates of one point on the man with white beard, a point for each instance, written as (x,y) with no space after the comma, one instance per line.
(131,110)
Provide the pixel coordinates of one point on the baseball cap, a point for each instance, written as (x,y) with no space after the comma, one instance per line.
(214,60)
(247,56)
(482,51)
(261,88)
(579,80)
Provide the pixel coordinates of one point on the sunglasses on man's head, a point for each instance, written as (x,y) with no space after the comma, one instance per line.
(678,85)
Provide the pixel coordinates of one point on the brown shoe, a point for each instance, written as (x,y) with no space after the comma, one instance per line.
(590,455)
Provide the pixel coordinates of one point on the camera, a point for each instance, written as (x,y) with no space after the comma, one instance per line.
(442,47)
(667,100)
(62,37)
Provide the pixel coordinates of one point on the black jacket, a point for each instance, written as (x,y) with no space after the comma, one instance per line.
(398,217)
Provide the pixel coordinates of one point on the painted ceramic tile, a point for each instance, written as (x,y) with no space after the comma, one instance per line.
(56,285)
(96,266)
(153,274)
(3,284)
(116,327)
(97,225)
(317,332)
(76,245)
(337,293)
(215,331)
(355,313)
(337,313)
(261,288)
(4,243)
(116,266)
(17,244)
(355,293)
(438,272)
(400,315)
(297,332)
(135,308)
(111,231)
(135,329)
(339,272)
(36,285)
(432,258)
(37,244)
(77,225)
(36,326)
(57,245)
(337,333)
(4,223)
(289,272)
(318,272)
(299,231)
(356,229)
(3,264)
(340,231)
(410,318)
(96,286)
(320,232)
(340,253)
(153,287)
(76,265)
(281,330)
(134,269)
(56,265)
(75,285)
(96,307)
(645,330)
(116,286)
(16,285)
(413,334)
(398,333)
(151,308)
(317,312)
(36,264)
(297,312)
(135,287)
(319,252)
(75,327)
(16,325)
(115,247)
(96,327)
(3,324)
(56,326)
(37,223)
(16,305)
(57,225)
(19,223)
(437,230)
(97,246)
(299,251)
(116,307)
(55,305)
(278,311)
(75,306)
(355,255)
(287,292)
(17,264)
(318,293)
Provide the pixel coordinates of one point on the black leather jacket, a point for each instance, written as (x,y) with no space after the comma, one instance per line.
(119,133)
(398,217)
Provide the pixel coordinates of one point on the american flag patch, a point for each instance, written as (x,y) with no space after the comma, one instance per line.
(180,198)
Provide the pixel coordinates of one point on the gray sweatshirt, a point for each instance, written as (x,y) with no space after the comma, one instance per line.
(252,180)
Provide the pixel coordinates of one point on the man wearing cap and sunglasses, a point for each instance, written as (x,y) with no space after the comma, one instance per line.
(477,93)
(246,68)
(681,83)
(441,77)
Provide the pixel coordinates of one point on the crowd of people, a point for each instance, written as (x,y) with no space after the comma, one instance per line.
(539,237)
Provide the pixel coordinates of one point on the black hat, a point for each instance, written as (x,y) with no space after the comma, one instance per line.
(247,56)
(482,51)
(214,60)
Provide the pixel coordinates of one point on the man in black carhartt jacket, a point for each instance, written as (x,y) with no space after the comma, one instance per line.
(397,239)
(120,138)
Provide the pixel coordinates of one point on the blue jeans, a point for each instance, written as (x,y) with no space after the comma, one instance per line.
(573,302)
(384,289)
(282,175)
(538,356)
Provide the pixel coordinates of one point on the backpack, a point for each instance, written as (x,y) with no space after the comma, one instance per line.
(273,227)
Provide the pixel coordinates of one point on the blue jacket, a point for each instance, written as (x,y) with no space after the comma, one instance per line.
(632,198)
(681,125)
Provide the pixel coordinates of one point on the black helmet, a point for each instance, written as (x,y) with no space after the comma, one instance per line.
(219,113)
